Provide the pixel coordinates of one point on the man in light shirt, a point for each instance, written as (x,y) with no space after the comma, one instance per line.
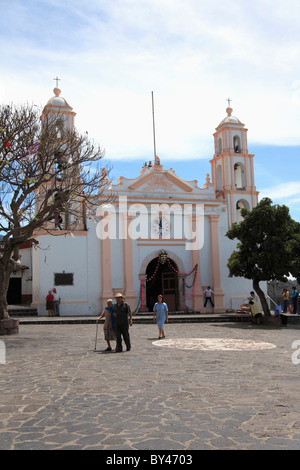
(207,295)
(56,302)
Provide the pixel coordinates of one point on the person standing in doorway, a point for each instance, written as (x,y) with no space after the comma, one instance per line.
(160,315)
(121,313)
(56,302)
(208,296)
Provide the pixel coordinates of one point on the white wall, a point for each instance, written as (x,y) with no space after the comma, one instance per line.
(71,255)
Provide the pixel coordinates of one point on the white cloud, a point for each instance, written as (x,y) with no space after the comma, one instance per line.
(285,190)
(287,193)
(192,54)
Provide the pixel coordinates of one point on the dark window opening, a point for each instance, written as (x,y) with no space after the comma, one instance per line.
(63,279)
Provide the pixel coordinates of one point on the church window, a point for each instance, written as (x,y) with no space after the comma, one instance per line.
(59,127)
(237,144)
(64,279)
(241,204)
(239,176)
(59,161)
(219,178)
(219,146)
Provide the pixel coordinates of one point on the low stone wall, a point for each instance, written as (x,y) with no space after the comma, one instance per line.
(272,321)
(9,326)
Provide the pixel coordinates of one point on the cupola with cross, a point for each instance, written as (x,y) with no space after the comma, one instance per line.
(232,166)
(59,109)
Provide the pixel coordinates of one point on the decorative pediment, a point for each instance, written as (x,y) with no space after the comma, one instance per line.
(158,180)
(155,180)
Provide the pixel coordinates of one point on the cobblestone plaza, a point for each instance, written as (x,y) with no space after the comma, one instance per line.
(196,391)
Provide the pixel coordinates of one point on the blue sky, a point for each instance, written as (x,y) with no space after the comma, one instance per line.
(193,54)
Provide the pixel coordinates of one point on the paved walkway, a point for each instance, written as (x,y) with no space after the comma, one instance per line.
(58,393)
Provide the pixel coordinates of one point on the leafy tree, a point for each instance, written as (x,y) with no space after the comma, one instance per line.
(268,239)
(45,171)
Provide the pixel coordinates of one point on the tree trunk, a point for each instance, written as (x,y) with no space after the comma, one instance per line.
(4,284)
(262,298)
(8,326)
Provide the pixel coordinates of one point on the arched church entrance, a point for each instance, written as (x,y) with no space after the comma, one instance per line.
(162,279)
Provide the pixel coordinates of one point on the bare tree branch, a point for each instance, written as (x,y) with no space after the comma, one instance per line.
(46,172)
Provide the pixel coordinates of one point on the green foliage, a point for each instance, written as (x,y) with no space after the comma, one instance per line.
(268,241)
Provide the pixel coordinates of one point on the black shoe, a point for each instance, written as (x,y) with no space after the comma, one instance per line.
(118,350)
(108,349)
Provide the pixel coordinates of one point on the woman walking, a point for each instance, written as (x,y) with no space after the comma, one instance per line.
(160,315)
(108,327)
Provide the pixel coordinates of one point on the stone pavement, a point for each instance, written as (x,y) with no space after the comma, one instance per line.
(58,393)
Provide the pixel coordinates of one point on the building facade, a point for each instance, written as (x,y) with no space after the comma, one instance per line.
(160,235)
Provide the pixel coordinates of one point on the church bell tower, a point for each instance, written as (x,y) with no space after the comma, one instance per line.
(58,116)
(232,167)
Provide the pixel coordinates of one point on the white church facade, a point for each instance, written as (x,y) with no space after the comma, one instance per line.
(159,235)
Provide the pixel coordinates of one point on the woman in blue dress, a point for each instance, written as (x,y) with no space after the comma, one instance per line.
(160,315)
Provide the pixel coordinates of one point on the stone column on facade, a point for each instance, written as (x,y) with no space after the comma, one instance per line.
(143,279)
(198,295)
(130,295)
(197,299)
(105,272)
(215,263)
(181,294)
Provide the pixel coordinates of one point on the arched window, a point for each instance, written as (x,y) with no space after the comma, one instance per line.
(241,204)
(219,178)
(219,146)
(237,144)
(60,127)
(238,176)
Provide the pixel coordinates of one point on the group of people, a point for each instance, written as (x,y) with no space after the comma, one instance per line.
(286,297)
(118,318)
(257,314)
(52,303)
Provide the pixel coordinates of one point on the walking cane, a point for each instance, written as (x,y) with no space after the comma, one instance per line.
(96,335)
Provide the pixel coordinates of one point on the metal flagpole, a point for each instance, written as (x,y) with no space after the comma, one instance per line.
(153,126)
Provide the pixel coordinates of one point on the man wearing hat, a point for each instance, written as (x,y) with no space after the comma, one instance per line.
(121,312)
(56,302)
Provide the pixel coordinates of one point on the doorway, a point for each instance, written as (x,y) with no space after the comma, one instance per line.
(162,280)
(14,293)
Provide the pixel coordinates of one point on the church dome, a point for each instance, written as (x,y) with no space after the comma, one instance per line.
(57,100)
(229,118)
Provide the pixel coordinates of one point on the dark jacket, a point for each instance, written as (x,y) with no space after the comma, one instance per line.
(122,313)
